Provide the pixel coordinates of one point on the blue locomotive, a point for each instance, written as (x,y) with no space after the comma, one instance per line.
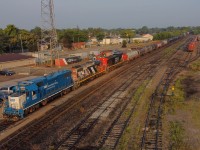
(33,93)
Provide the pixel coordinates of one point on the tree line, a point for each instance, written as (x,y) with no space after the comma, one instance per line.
(13,39)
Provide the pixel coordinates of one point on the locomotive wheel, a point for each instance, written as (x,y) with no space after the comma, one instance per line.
(16,118)
(65,92)
(37,106)
(76,85)
(5,117)
(44,102)
(72,88)
(26,111)
(32,109)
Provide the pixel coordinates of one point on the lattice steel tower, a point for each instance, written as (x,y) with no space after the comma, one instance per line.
(49,35)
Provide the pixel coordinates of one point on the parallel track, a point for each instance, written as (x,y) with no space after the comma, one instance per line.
(35,127)
(91,120)
(152,135)
(114,132)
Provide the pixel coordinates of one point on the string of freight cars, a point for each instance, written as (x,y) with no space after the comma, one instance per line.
(32,94)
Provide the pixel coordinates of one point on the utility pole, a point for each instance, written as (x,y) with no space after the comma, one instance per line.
(21,43)
(49,34)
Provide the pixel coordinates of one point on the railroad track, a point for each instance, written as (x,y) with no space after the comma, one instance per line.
(152,134)
(38,125)
(35,127)
(112,135)
(4,124)
(102,111)
(114,132)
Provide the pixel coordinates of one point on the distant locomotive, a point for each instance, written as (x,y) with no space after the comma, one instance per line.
(192,44)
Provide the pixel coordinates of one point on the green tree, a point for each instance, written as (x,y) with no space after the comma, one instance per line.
(29,40)
(4,42)
(37,32)
(67,40)
(100,36)
(143,30)
(12,32)
(127,33)
(124,43)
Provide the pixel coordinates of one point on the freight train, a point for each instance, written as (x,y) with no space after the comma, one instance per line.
(37,92)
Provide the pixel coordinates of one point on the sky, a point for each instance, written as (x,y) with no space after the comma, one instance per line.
(25,14)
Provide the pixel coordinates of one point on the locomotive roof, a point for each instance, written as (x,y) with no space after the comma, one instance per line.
(42,78)
(25,83)
(29,85)
(38,79)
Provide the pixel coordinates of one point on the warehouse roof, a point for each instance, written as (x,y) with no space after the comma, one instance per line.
(13,57)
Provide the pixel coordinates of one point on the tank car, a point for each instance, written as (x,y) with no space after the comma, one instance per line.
(132,54)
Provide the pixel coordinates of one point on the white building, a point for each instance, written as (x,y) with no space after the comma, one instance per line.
(143,38)
(111,40)
(148,37)
(93,40)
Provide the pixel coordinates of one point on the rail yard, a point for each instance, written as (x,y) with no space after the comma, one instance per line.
(91,104)
(113,75)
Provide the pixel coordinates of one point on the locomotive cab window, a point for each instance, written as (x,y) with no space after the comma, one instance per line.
(33,93)
(39,84)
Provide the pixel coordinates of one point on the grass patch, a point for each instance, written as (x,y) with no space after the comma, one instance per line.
(195,66)
(130,134)
(182,127)
(177,134)
(140,90)
(178,97)
(193,108)
(179,94)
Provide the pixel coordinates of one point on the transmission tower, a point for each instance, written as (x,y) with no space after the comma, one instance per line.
(49,35)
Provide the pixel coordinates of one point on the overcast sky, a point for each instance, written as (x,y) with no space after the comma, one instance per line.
(103,13)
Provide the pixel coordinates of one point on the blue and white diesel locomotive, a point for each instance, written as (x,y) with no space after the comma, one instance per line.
(33,93)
